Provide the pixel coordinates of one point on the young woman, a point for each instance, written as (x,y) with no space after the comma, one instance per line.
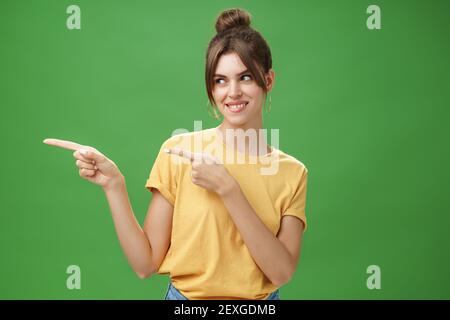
(222,228)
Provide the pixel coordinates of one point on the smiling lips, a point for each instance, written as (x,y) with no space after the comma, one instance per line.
(236,106)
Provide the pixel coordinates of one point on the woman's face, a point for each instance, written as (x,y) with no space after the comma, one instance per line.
(236,94)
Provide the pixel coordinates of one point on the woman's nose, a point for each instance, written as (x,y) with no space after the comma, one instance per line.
(234,90)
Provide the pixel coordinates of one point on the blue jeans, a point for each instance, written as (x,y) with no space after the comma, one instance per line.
(173,294)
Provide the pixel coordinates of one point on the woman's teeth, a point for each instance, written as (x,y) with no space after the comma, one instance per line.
(236,108)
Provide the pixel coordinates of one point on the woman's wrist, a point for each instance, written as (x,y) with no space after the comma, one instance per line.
(114,184)
(228,185)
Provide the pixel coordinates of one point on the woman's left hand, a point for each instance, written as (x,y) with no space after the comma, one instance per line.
(206,171)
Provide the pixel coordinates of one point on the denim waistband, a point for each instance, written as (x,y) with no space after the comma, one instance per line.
(173,294)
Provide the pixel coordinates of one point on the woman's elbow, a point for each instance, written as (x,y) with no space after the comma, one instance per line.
(282,277)
(280,281)
(144,275)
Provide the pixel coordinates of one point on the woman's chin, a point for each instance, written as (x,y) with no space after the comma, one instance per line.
(237,121)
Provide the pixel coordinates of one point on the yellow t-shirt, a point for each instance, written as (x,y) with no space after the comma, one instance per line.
(207,257)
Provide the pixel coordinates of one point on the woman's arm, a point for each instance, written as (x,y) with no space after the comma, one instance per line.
(277,256)
(145,250)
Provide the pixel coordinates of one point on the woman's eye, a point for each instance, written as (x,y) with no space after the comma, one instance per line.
(218,81)
(247,77)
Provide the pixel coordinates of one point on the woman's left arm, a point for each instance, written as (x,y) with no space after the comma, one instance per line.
(277,256)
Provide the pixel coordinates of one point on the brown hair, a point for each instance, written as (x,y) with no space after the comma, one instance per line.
(234,34)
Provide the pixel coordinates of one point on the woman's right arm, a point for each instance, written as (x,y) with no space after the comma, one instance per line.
(145,248)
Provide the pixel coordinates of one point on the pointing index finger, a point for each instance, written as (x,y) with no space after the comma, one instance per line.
(63,144)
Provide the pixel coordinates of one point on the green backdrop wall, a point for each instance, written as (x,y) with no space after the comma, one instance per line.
(367,111)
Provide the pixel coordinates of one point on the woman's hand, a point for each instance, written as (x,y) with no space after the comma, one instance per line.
(93,165)
(207,171)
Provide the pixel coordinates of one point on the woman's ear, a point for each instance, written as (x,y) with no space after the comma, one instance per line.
(270,79)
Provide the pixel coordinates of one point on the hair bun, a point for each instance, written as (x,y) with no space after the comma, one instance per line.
(232,18)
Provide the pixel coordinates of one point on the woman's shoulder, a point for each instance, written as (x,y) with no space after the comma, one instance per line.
(184,139)
(290,163)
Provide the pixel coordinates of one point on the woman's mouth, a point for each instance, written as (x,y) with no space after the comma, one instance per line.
(236,107)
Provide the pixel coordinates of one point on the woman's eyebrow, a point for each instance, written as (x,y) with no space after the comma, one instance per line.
(221,75)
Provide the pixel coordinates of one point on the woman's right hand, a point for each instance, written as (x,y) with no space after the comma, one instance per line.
(92,164)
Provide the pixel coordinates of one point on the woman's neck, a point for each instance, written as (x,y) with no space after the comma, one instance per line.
(249,139)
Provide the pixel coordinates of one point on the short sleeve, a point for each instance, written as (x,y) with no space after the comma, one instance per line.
(297,204)
(163,176)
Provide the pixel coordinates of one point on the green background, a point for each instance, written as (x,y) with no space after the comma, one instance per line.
(365,110)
